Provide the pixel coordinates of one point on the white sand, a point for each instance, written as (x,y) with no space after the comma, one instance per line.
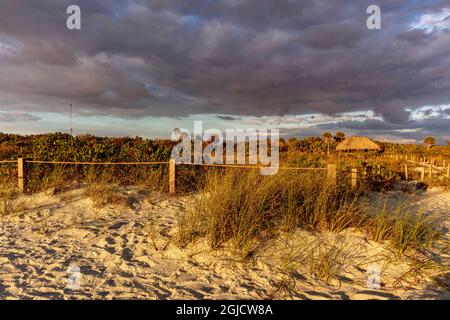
(121,256)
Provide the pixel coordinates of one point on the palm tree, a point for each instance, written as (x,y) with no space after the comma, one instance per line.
(327,137)
(340,136)
(429,142)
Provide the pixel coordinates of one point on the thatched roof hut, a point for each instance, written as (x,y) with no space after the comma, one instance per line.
(357,144)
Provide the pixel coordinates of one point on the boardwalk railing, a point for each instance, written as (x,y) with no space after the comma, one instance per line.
(429,165)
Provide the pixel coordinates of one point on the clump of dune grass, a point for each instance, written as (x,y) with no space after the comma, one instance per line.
(55,179)
(422,266)
(243,207)
(155,236)
(10,202)
(154,179)
(42,223)
(403,226)
(102,191)
(322,259)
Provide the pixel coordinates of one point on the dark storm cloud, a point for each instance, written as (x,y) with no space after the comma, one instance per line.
(329,36)
(228,118)
(415,37)
(17,116)
(414,130)
(256,57)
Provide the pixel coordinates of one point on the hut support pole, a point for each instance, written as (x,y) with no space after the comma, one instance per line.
(354,178)
(331,173)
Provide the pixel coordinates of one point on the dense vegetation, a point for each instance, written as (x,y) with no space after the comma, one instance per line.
(64,147)
(307,152)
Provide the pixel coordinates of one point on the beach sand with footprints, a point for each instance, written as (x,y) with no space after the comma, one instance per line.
(130,251)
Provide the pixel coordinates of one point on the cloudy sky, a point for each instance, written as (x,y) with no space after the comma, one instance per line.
(143,67)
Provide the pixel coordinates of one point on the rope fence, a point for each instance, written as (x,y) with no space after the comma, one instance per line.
(238,166)
(97,163)
(21,172)
(331,169)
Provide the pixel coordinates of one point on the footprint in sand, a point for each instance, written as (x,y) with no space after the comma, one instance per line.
(127,254)
(110,240)
(118,225)
(374,295)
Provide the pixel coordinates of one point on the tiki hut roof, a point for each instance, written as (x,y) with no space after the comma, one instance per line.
(357,144)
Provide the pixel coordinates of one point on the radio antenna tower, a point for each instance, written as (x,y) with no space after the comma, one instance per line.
(71,127)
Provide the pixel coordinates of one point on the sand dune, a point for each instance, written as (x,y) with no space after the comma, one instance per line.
(130,252)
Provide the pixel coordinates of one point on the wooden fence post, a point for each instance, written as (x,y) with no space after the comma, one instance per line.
(431,171)
(406,172)
(331,173)
(172,176)
(354,178)
(448,171)
(21,175)
(422,174)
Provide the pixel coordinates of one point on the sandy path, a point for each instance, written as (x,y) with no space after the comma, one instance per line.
(116,253)
(131,253)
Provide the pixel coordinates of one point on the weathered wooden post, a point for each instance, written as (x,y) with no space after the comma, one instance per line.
(431,171)
(422,174)
(354,178)
(172,176)
(331,173)
(21,175)
(406,172)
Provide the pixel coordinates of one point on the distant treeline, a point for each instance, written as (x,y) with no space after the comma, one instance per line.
(64,147)
(416,149)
